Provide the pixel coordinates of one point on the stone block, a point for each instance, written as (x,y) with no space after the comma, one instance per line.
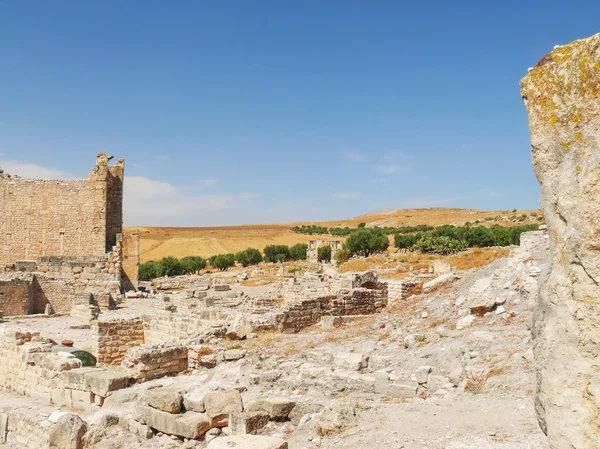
(102,382)
(278,409)
(190,425)
(247,422)
(164,399)
(247,442)
(220,404)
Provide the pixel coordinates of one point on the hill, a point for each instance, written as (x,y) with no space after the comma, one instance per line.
(158,242)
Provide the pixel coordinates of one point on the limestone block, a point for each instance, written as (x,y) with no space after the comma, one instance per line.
(247,422)
(220,404)
(164,399)
(277,408)
(247,442)
(102,382)
(68,432)
(351,360)
(188,425)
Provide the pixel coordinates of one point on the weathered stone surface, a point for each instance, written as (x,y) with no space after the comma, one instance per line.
(247,442)
(240,328)
(188,425)
(351,360)
(277,408)
(220,404)
(68,432)
(247,422)
(164,399)
(562,96)
(101,382)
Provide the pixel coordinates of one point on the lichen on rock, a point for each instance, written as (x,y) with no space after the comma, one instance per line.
(562,96)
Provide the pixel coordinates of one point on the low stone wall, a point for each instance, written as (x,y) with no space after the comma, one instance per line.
(29,367)
(170,326)
(16,296)
(115,336)
(300,314)
(149,362)
(360,301)
(366,300)
(23,427)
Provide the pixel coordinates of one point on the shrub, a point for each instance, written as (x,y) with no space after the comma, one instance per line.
(361,225)
(324,253)
(193,264)
(250,256)
(342,256)
(367,241)
(298,251)
(149,270)
(170,266)
(439,245)
(222,262)
(403,241)
(479,236)
(277,253)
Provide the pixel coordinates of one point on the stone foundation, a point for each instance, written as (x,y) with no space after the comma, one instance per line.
(115,336)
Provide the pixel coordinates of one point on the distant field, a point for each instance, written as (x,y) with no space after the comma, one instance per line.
(157,243)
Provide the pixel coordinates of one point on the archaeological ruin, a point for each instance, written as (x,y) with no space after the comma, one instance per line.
(63,249)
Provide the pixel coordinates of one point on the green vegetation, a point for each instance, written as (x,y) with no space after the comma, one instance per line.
(277,253)
(170,266)
(366,241)
(250,256)
(343,232)
(222,262)
(193,264)
(298,251)
(324,253)
(449,239)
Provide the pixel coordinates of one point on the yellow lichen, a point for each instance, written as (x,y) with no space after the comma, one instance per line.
(578,169)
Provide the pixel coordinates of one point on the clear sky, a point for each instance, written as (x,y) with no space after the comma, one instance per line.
(231,112)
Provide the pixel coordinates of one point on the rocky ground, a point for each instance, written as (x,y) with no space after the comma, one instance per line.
(448,369)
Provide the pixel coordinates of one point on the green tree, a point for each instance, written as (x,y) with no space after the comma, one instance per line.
(277,253)
(479,236)
(404,241)
(193,264)
(298,251)
(222,262)
(324,253)
(170,266)
(250,256)
(149,270)
(366,241)
(361,225)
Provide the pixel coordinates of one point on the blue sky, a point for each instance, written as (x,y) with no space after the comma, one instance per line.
(267,111)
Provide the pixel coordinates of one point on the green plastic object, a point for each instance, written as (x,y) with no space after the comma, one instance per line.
(87,358)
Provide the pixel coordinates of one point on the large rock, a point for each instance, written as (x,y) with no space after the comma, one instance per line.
(240,328)
(562,96)
(164,399)
(68,432)
(278,409)
(220,404)
(247,442)
(188,425)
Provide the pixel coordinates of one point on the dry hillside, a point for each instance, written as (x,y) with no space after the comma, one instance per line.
(179,242)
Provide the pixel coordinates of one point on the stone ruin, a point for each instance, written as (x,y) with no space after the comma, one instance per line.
(62,246)
(562,96)
(312,252)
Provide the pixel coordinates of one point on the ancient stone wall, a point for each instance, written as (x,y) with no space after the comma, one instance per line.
(149,362)
(130,261)
(24,427)
(16,296)
(51,217)
(562,96)
(30,368)
(170,326)
(115,336)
